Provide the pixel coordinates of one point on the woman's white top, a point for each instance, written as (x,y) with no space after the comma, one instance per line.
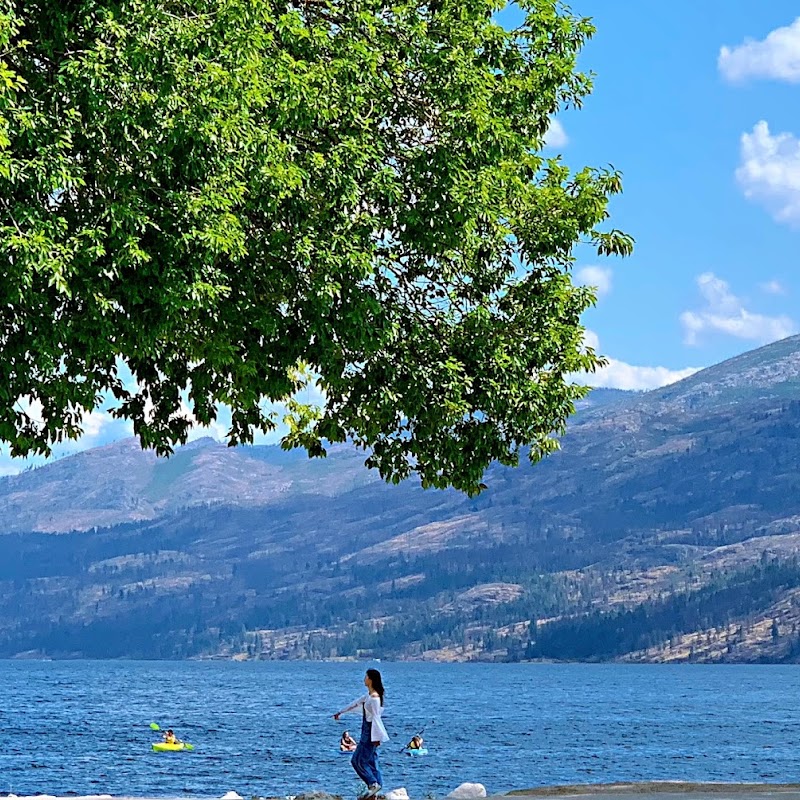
(372,711)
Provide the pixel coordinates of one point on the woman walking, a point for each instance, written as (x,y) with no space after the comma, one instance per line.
(365,758)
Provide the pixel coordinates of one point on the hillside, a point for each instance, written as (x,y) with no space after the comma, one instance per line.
(121,483)
(667,528)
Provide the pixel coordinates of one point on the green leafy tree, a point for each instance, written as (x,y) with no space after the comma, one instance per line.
(229,198)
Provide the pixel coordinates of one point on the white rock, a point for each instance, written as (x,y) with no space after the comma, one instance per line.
(467,791)
(231,796)
(397,794)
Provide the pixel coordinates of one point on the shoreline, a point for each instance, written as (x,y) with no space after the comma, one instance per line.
(612,791)
(663,788)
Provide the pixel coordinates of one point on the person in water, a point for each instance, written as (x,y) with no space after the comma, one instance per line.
(347,743)
(171,738)
(373,734)
(416,743)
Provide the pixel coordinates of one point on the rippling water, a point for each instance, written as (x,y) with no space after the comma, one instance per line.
(265,728)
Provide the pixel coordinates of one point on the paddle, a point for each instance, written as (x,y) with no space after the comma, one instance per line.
(154,726)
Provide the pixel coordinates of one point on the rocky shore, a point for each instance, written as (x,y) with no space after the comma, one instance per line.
(666,790)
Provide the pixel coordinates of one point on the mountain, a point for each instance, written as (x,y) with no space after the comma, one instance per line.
(602,397)
(122,483)
(667,528)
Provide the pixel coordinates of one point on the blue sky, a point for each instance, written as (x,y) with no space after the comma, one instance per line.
(716,217)
(698,103)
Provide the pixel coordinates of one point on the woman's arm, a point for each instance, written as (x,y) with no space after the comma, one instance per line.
(354,705)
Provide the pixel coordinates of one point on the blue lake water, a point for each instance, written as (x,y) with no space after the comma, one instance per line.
(82,728)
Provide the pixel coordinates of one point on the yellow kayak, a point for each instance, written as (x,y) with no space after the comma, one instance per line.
(166,747)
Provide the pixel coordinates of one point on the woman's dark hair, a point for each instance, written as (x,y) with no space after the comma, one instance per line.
(377,682)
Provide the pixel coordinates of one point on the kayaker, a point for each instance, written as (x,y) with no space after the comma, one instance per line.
(347,743)
(416,743)
(373,733)
(171,738)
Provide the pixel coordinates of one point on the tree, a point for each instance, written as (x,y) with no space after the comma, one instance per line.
(230,198)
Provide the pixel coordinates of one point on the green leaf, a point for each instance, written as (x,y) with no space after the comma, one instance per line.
(229,202)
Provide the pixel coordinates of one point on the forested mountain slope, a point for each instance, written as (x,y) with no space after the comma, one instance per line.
(666,528)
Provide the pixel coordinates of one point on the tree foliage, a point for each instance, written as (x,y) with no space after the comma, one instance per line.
(226,198)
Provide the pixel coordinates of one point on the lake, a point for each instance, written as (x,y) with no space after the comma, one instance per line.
(265,728)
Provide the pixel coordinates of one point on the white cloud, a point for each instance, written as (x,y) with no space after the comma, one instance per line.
(599,277)
(777,56)
(724,312)
(591,339)
(556,136)
(619,375)
(772,287)
(95,422)
(769,172)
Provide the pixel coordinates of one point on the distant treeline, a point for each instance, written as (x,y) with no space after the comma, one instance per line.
(596,635)
(606,635)
(152,592)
